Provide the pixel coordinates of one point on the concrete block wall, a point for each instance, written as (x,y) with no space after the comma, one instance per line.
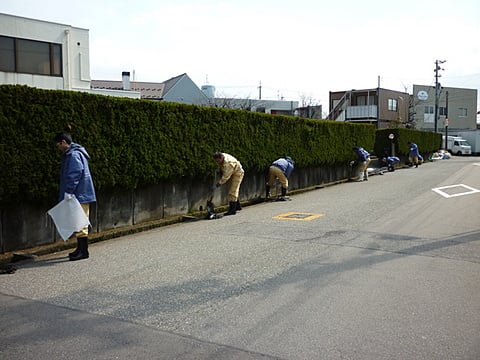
(24,226)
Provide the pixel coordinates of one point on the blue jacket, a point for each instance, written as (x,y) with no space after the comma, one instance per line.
(413,150)
(391,160)
(75,177)
(363,154)
(285,164)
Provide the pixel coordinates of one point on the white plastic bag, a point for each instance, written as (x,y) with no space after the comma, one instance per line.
(68,217)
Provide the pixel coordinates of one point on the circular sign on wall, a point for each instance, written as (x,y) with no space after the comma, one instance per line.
(422,95)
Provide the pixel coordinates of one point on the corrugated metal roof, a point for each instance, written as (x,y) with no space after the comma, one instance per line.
(148,90)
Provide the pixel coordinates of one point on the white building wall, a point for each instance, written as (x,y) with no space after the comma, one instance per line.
(75,48)
(185,91)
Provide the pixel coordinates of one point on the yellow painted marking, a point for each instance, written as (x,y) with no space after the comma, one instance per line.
(299,216)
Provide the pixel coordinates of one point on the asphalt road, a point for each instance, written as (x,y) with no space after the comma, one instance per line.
(384,269)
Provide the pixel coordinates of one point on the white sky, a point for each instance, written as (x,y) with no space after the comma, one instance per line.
(295,49)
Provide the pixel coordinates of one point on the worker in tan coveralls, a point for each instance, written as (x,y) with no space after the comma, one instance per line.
(232,172)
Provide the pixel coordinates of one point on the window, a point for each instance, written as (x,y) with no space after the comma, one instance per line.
(429,110)
(428,115)
(442,111)
(392,104)
(7,54)
(33,57)
(462,112)
(56,59)
(29,56)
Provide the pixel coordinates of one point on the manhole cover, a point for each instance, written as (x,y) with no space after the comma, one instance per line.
(298,216)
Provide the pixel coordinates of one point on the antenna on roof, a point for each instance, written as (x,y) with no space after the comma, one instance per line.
(206,79)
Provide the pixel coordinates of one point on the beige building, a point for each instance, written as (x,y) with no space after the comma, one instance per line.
(461,105)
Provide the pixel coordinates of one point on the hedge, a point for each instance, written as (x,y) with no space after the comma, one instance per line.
(139,142)
(428,142)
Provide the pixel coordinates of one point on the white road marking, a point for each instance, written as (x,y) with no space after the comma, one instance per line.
(446,195)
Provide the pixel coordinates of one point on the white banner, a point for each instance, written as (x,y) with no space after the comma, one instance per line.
(68,217)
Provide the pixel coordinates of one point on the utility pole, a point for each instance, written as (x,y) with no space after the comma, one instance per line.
(260,91)
(437,90)
(446,120)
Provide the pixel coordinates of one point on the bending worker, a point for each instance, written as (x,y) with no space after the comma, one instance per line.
(232,172)
(413,154)
(363,159)
(391,161)
(281,170)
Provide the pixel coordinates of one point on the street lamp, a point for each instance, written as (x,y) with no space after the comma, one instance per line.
(391,136)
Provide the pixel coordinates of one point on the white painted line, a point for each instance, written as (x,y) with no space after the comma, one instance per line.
(478,164)
(446,195)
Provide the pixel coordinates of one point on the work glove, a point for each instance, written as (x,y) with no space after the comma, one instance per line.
(69,196)
(352,162)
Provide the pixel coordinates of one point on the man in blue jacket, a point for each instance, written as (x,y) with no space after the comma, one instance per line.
(76,181)
(281,170)
(363,159)
(413,154)
(391,161)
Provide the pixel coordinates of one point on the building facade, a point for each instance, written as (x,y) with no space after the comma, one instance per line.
(179,89)
(43,54)
(458,105)
(46,55)
(55,56)
(381,107)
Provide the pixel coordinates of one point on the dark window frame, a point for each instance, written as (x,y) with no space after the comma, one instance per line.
(392,105)
(55,58)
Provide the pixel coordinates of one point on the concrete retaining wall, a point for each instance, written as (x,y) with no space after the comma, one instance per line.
(25,226)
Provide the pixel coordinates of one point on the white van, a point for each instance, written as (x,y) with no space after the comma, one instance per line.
(457,145)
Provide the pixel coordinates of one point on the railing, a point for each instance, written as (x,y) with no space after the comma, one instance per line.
(362,112)
(338,108)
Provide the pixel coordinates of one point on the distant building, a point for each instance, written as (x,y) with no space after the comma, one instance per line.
(310,112)
(179,89)
(274,107)
(45,55)
(381,107)
(461,107)
(55,56)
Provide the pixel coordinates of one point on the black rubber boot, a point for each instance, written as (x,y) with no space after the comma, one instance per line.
(284,193)
(83,249)
(267,191)
(75,252)
(232,208)
(238,206)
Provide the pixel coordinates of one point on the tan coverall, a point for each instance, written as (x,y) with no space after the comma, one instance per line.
(232,172)
(275,172)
